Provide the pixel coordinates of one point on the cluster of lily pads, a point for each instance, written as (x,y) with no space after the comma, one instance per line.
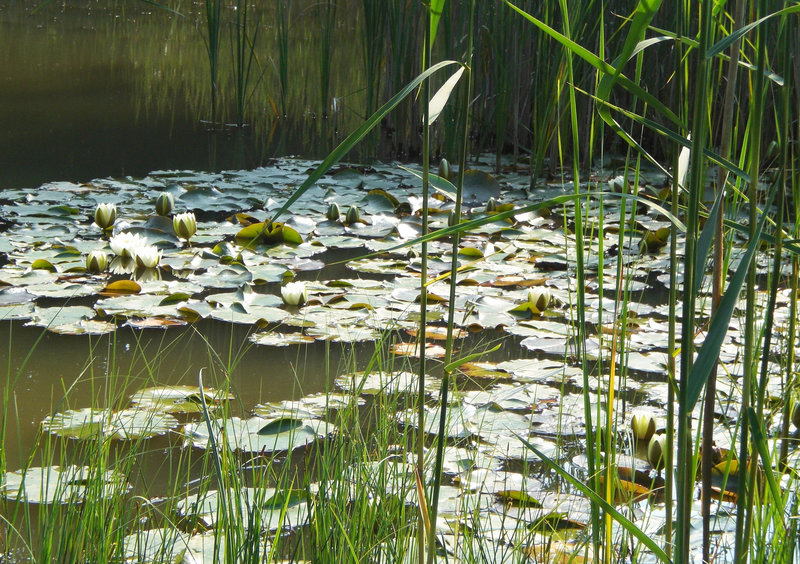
(361,281)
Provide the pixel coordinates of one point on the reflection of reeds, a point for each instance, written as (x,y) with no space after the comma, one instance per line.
(212,39)
(245,38)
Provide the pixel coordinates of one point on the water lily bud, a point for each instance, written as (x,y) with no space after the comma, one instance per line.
(618,183)
(353,215)
(105,215)
(294,293)
(126,244)
(333,212)
(540,298)
(488,249)
(147,256)
(656,451)
(185,225)
(452,219)
(444,168)
(491,205)
(164,203)
(643,425)
(96,261)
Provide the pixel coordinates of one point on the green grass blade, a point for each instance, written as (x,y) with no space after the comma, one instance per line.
(626,523)
(723,44)
(709,352)
(763,450)
(436,13)
(354,138)
(602,66)
(705,240)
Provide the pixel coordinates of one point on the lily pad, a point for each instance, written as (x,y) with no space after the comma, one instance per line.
(126,424)
(178,399)
(243,434)
(55,485)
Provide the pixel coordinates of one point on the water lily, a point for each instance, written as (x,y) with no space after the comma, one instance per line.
(353,215)
(147,256)
(96,261)
(491,205)
(656,451)
(444,168)
(294,293)
(452,219)
(185,225)
(126,244)
(540,298)
(488,249)
(643,425)
(333,212)
(164,203)
(105,215)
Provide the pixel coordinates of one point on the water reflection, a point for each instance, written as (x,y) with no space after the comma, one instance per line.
(104,88)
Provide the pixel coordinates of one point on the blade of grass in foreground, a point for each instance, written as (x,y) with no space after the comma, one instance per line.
(626,523)
(354,138)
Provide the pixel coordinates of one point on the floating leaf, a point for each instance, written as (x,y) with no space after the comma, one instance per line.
(178,399)
(244,434)
(126,424)
(54,484)
(121,288)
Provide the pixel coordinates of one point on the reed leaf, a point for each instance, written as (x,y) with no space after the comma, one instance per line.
(354,138)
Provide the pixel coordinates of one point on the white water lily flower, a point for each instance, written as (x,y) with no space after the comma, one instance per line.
(147,256)
(97,261)
(294,293)
(126,244)
(643,425)
(540,298)
(185,225)
(488,250)
(105,215)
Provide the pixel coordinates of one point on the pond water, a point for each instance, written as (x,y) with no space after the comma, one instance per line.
(109,88)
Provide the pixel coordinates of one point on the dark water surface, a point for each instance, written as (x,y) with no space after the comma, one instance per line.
(97,88)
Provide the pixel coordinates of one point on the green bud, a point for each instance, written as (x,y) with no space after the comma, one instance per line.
(444,169)
(353,215)
(656,451)
(334,213)
(491,205)
(164,203)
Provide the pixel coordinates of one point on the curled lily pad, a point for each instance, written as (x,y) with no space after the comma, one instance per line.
(244,434)
(125,424)
(179,399)
(54,484)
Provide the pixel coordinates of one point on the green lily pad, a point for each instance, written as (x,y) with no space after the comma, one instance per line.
(178,399)
(125,425)
(243,434)
(56,485)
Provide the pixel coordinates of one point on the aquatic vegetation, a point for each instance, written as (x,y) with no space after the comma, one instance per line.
(294,293)
(185,225)
(105,215)
(164,203)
